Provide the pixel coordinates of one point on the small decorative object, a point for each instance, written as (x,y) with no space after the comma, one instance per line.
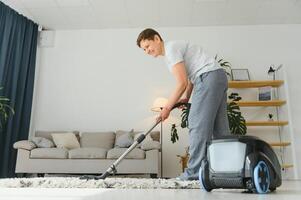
(270,117)
(272,72)
(240,75)
(265,93)
(184,159)
(226,65)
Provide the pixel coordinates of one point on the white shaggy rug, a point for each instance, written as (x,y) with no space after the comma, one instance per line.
(119,183)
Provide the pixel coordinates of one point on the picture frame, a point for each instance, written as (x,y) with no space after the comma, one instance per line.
(265,93)
(240,74)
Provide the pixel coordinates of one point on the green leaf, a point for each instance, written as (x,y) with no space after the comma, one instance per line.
(5,110)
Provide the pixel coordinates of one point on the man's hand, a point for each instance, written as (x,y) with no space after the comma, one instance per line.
(183,101)
(164,114)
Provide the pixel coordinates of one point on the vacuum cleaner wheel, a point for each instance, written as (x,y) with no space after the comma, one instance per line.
(204,177)
(201,178)
(261,176)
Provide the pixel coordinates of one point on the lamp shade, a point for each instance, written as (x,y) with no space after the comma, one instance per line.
(159,103)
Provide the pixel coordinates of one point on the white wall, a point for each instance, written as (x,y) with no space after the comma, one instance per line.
(99,80)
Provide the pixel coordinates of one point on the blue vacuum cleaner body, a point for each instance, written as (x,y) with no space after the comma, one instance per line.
(241,162)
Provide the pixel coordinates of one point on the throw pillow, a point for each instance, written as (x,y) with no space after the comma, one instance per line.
(42,142)
(149,145)
(125,140)
(65,140)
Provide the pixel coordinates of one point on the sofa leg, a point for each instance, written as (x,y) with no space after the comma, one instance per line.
(40,175)
(153,175)
(21,175)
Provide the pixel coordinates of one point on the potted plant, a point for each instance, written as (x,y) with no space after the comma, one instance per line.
(237,122)
(226,65)
(5,109)
(184,123)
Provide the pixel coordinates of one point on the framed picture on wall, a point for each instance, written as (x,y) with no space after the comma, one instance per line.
(240,74)
(265,93)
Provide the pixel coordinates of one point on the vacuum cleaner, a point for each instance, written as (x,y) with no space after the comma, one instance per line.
(242,162)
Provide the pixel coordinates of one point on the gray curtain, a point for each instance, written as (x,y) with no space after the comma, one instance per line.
(18,46)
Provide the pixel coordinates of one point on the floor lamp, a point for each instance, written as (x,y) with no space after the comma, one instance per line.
(158,105)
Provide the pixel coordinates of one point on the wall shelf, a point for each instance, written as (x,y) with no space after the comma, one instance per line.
(266,123)
(277,102)
(279,144)
(286,166)
(254,84)
(260,103)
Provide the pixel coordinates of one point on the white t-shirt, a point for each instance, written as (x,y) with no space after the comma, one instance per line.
(195,59)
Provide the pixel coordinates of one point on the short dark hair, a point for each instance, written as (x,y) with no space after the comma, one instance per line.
(147,34)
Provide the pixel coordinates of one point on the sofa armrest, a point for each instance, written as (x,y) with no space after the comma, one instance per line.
(24,144)
(150,145)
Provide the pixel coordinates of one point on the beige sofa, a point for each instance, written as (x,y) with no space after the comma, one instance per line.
(96,153)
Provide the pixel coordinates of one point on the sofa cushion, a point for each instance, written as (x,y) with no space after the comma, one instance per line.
(97,139)
(24,144)
(49,153)
(125,139)
(65,140)
(149,145)
(134,154)
(155,135)
(42,142)
(121,132)
(88,153)
(47,134)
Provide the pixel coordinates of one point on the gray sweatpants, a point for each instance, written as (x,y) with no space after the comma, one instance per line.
(207,117)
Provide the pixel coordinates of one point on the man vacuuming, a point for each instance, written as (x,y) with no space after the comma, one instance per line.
(198,74)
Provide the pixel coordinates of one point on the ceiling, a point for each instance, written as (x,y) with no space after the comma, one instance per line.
(110,14)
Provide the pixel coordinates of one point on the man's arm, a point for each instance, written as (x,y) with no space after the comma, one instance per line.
(179,72)
(188,91)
